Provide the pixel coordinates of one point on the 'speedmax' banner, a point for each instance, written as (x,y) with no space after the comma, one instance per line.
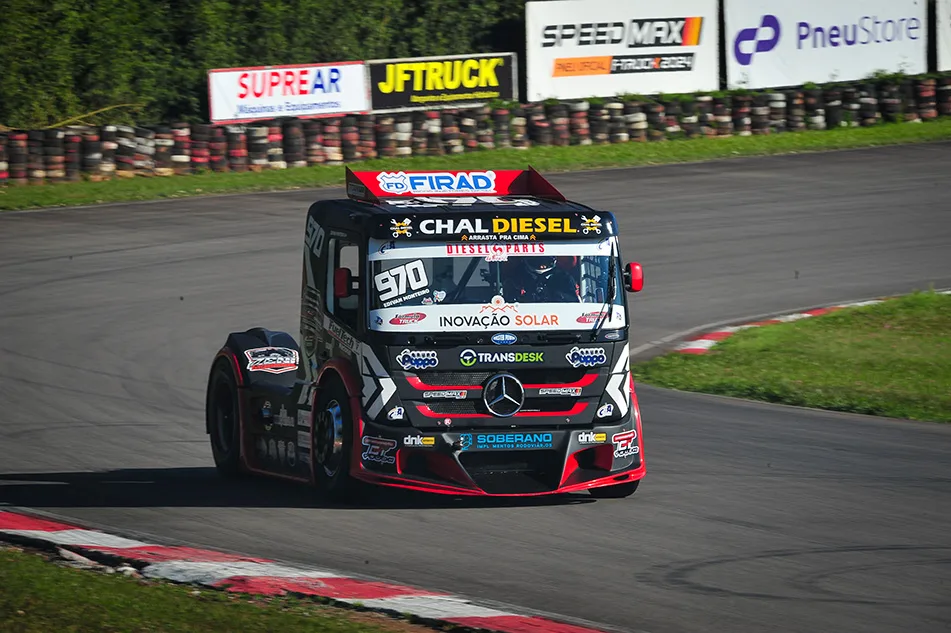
(943,34)
(431,82)
(601,48)
(304,91)
(774,43)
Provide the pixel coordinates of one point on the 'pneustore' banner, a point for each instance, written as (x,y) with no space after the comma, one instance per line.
(431,82)
(782,43)
(304,91)
(944,35)
(601,48)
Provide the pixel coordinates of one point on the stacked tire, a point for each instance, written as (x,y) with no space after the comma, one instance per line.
(18,157)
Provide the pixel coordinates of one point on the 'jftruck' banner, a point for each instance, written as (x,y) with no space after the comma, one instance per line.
(601,48)
(944,35)
(304,91)
(433,82)
(783,43)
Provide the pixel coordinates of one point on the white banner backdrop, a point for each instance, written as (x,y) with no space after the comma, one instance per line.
(303,91)
(588,48)
(782,43)
(943,35)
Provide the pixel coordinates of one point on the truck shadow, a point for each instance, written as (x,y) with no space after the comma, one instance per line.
(203,487)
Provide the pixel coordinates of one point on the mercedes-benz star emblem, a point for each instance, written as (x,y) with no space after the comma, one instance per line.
(503,395)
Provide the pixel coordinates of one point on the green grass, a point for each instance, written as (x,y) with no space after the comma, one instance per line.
(37,596)
(891,359)
(546,159)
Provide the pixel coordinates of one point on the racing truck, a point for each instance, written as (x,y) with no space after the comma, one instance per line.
(461,333)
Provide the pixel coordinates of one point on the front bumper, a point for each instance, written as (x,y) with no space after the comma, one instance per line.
(500,462)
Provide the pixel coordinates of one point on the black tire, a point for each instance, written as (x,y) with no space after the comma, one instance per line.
(221,414)
(618,491)
(332,442)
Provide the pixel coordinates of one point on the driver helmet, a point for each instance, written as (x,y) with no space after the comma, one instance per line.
(540,266)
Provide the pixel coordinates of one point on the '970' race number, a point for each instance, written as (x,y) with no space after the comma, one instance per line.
(401,280)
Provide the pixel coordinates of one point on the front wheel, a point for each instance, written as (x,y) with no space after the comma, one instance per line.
(222,415)
(333,442)
(618,491)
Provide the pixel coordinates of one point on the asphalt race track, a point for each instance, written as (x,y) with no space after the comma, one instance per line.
(751,518)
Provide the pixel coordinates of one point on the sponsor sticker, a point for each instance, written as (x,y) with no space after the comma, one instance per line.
(454,394)
(377,449)
(402,228)
(417,359)
(469,357)
(496,251)
(590,318)
(337,331)
(590,437)
(416,184)
(419,440)
(498,441)
(273,360)
(396,413)
(586,356)
(591,225)
(606,411)
(303,439)
(504,338)
(407,319)
(283,419)
(625,444)
(560,391)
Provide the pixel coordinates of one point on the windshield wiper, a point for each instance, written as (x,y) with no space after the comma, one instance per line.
(604,317)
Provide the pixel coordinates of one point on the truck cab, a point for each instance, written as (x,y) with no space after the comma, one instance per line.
(463,333)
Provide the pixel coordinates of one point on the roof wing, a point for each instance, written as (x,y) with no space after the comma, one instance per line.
(372,186)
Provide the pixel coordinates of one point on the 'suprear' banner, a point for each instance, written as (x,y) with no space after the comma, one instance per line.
(433,82)
(943,34)
(600,48)
(781,43)
(304,91)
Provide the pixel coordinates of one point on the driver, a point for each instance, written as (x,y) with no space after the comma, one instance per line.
(539,280)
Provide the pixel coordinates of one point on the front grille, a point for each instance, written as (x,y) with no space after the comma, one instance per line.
(527,376)
(458,407)
(513,471)
(455,378)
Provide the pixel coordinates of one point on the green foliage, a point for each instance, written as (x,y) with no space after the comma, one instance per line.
(891,359)
(69,57)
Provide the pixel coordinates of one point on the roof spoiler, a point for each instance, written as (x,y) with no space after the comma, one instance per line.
(372,186)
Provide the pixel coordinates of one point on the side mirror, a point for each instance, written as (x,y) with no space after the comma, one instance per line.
(633,277)
(343,283)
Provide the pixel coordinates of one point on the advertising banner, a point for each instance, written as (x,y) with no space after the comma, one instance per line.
(780,43)
(237,95)
(431,82)
(943,35)
(602,48)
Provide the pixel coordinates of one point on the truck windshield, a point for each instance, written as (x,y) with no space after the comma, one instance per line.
(563,284)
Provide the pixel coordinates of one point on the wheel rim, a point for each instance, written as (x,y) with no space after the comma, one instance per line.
(328,437)
(224,417)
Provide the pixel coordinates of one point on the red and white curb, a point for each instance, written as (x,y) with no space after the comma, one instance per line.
(260,576)
(703,343)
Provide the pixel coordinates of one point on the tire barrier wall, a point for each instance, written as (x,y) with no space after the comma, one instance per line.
(117,151)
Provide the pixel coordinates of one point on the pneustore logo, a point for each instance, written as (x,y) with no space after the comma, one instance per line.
(750,41)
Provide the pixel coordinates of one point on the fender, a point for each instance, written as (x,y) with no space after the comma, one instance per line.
(235,348)
(259,338)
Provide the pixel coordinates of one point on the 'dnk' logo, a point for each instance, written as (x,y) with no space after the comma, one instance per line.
(752,40)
